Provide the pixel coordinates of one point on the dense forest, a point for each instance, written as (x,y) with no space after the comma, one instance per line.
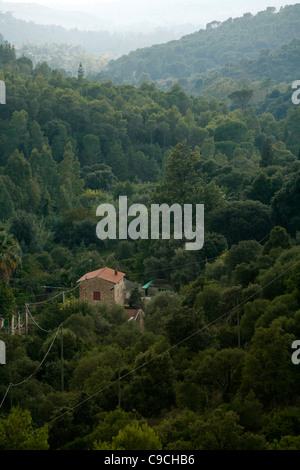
(240,48)
(212,367)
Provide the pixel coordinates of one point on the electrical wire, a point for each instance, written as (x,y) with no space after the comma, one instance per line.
(145,363)
(35,322)
(54,297)
(172,347)
(52,342)
(148,272)
(31,375)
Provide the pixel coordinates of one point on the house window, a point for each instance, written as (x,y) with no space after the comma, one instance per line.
(96,295)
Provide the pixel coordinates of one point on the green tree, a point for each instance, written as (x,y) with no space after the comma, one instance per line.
(241,220)
(80,72)
(267,369)
(152,387)
(8,300)
(18,433)
(250,411)
(135,299)
(117,161)
(252,312)
(18,132)
(37,139)
(266,84)
(222,431)
(185,322)
(284,422)
(231,130)
(24,228)
(134,436)
(262,189)
(91,152)
(44,169)
(182,184)
(220,371)
(6,202)
(279,238)
(10,255)
(21,177)
(209,299)
(267,156)
(241,97)
(285,204)
(69,173)
(245,251)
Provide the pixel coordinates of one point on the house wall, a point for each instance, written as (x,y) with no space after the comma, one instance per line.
(110,293)
(120,292)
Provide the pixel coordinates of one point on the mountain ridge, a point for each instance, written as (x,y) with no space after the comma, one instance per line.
(218,45)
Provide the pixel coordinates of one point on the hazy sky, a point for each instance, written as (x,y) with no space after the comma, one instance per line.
(161,12)
(248,5)
(222,5)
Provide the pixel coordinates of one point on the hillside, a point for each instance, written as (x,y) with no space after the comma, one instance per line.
(213,365)
(269,76)
(220,44)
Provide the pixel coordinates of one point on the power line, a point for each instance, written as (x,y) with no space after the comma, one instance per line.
(54,297)
(46,331)
(194,263)
(147,362)
(26,297)
(31,375)
(148,272)
(35,322)
(172,347)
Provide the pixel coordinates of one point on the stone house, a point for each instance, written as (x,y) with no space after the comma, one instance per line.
(104,285)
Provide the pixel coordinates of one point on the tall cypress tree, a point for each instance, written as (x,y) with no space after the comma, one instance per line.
(80,72)
(69,173)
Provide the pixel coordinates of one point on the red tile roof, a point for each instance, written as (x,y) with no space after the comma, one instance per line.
(106,273)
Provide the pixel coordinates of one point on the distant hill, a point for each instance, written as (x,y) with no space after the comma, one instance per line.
(282,65)
(65,57)
(41,14)
(264,74)
(99,42)
(220,44)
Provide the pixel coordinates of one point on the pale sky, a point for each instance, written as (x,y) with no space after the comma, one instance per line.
(251,6)
(160,12)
